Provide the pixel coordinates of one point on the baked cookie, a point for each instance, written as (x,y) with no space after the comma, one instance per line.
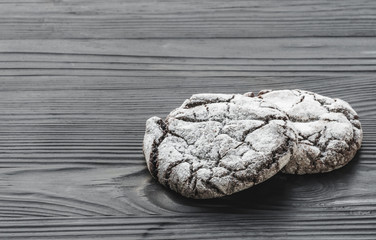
(329,132)
(218,144)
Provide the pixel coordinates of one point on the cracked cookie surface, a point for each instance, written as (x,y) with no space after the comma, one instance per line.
(329,132)
(218,144)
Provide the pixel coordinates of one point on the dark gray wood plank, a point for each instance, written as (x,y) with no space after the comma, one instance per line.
(188,58)
(79,78)
(84,19)
(211,226)
(78,190)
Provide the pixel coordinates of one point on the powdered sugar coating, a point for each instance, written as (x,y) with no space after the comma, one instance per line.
(218,144)
(329,132)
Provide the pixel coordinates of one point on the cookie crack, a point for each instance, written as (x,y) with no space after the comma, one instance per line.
(168,172)
(205,102)
(194,120)
(213,186)
(154,152)
(178,136)
(300,101)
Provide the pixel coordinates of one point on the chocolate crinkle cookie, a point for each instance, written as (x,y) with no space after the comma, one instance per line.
(329,131)
(218,144)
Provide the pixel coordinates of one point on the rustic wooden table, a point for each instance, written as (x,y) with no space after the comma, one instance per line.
(79,78)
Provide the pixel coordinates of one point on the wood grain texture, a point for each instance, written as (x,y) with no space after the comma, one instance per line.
(76,90)
(204,227)
(85,19)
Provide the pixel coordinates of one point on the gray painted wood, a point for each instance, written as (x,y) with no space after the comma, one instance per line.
(76,90)
(85,19)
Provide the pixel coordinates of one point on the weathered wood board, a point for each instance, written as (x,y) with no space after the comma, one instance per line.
(78,79)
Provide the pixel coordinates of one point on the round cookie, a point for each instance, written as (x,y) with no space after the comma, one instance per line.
(329,132)
(218,144)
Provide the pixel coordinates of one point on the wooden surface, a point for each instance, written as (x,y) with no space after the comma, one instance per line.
(79,78)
